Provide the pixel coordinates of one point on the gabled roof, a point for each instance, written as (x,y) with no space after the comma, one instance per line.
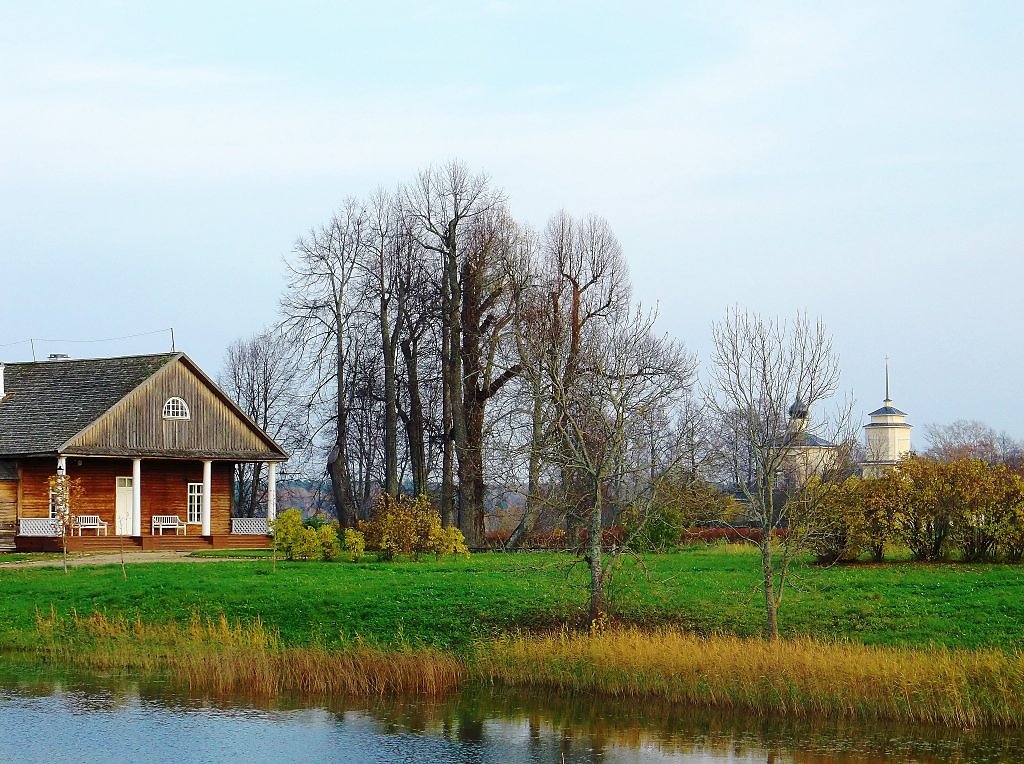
(49,402)
(68,407)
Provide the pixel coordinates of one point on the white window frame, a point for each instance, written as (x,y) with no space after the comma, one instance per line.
(176,408)
(53,506)
(194,504)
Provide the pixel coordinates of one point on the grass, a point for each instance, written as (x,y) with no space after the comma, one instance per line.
(452,604)
(801,677)
(9,557)
(215,655)
(227,554)
(936,643)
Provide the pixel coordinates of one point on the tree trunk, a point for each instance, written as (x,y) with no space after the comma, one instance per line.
(449,516)
(337,467)
(471,475)
(390,405)
(414,427)
(768,574)
(339,490)
(525,525)
(596,609)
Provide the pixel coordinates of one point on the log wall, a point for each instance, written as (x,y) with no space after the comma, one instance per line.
(164,489)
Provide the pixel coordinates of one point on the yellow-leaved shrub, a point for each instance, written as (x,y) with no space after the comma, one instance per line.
(297,542)
(411,526)
(355,544)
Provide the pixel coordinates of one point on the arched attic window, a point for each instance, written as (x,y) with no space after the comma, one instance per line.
(176,408)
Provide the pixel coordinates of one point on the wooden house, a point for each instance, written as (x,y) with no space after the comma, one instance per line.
(153,442)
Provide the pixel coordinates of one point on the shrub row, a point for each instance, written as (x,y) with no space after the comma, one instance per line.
(935,509)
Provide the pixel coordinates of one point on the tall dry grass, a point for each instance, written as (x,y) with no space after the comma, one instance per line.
(214,655)
(798,677)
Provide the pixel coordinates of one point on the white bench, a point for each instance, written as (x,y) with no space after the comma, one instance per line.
(163,522)
(88,521)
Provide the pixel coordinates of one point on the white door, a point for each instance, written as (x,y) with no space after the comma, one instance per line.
(123,507)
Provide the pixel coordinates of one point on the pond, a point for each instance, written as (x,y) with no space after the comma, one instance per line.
(43,719)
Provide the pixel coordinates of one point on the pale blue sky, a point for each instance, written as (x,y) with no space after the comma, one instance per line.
(863,161)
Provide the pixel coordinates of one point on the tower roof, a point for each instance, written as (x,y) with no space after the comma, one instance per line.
(887,410)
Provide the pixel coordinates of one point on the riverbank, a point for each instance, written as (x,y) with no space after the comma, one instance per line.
(908,642)
(454,603)
(798,678)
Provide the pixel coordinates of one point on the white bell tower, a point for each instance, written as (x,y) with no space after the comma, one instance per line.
(887,436)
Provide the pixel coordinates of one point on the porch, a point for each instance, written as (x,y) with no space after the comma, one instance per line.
(43,535)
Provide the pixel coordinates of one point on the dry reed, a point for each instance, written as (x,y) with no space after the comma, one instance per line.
(798,677)
(214,655)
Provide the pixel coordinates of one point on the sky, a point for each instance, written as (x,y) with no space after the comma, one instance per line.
(862,162)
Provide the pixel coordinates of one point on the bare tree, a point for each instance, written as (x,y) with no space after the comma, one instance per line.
(316,315)
(965,439)
(627,377)
(461,218)
(260,376)
(382,278)
(766,376)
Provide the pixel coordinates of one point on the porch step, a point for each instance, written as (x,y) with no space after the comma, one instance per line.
(176,543)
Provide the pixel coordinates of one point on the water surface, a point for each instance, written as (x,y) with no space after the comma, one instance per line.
(112,719)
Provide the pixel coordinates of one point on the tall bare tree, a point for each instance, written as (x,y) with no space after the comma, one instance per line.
(766,376)
(259,375)
(627,378)
(316,315)
(462,219)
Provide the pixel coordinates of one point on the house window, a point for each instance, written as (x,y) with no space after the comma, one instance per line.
(195,503)
(53,505)
(176,408)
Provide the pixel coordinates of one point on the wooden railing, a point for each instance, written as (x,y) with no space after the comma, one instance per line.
(37,526)
(249,526)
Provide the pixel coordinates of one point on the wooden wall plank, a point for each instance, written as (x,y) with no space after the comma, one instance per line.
(164,489)
(136,424)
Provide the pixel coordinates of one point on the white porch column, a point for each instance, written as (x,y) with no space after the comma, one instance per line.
(207,481)
(136,497)
(271,490)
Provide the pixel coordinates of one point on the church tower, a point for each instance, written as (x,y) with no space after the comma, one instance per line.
(887,436)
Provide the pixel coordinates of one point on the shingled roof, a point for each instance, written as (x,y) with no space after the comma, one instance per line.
(49,402)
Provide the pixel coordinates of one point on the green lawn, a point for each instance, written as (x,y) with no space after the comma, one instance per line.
(9,557)
(453,602)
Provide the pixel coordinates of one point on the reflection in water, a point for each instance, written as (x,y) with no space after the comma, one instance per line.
(116,719)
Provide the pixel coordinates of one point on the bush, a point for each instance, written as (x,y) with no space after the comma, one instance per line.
(355,544)
(841,525)
(731,535)
(405,525)
(330,546)
(297,542)
(497,539)
(556,538)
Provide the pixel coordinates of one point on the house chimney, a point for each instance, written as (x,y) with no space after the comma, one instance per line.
(59,357)
(3,391)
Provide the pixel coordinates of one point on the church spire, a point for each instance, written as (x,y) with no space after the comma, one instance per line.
(888,400)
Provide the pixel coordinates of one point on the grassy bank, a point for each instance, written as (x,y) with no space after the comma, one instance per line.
(452,604)
(899,641)
(801,678)
(215,655)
